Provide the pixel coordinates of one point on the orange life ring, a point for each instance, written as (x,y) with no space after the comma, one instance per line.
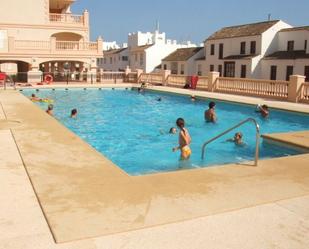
(48,79)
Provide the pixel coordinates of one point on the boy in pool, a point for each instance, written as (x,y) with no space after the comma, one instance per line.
(237,139)
(184,140)
(210,114)
(173,130)
(74,113)
(263,110)
(34,98)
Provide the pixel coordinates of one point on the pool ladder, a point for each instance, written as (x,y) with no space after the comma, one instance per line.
(257,142)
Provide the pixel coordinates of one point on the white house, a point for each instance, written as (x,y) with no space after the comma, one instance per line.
(114,60)
(146,50)
(237,51)
(290,57)
(183,61)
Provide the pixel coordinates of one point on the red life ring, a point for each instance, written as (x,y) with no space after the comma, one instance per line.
(48,79)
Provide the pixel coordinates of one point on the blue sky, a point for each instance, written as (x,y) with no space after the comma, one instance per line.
(184,19)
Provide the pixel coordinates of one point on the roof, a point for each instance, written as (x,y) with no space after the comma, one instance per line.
(114,51)
(240,57)
(252,29)
(201,58)
(295,29)
(288,55)
(182,54)
(141,48)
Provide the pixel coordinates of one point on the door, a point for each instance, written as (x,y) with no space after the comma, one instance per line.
(289,71)
(229,69)
(273,72)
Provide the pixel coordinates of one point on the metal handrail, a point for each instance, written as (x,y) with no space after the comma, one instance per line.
(234,127)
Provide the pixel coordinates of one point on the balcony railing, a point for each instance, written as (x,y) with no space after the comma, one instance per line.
(53,46)
(68,19)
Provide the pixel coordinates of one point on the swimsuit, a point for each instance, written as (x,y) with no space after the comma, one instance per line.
(185,152)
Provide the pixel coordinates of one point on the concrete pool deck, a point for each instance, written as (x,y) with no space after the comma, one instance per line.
(83,195)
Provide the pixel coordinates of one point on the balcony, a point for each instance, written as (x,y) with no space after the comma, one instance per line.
(54,47)
(69,19)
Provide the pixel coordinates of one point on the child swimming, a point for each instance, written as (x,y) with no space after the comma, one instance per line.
(210,114)
(184,140)
(263,110)
(50,109)
(237,139)
(74,113)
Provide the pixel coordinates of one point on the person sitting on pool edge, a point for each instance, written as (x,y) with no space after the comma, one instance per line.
(210,114)
(50,109)
(237,139)
(74,113)
(264,110)
(184,140)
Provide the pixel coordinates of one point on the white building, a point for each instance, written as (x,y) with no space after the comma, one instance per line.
(290,57)
(237,51)
(110,45)
(184,61)
(146,50)
(114,60)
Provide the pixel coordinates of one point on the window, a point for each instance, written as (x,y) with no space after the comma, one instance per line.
(253,47)
(220,70)
(211,68)
(273,72)
(243,48)
(182,69)
(125,58)
(229,69)
(305,45)
(135,57)
(110,60)
(290,46)
(289,72)
(221,51)
(119,57)
(199,70)
(307,73)
(174,68)
(212,49)
(104,60)
(243,71)
(165,67)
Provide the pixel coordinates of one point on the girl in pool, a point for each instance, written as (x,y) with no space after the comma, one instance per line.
(184,140)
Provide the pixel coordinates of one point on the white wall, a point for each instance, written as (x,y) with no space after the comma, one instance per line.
(298,37)
(299,67)
(118,64)
(270,38)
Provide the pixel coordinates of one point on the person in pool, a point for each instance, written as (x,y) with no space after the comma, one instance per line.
(264,110)
(50,109)
(210,114)
(237,139)
(193,98)
(184,140)
(173,130)
(34,98)
(74,113)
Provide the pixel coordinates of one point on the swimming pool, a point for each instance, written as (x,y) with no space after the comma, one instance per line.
(131,129)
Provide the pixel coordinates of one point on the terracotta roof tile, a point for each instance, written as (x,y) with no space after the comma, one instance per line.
(288,55)
(252,29)
(182,54)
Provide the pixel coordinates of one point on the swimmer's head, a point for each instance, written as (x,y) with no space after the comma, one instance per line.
(238,135)
(73,112)
(180,122)
(50,107)
(159,99)
(212,105)
(193,98)
(265,107)
(173,130)
(33,95)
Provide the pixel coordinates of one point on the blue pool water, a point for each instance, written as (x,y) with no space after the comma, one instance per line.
(131,129)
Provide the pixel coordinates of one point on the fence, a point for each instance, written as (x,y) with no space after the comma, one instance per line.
(253,87)
(152,78)
(177,80)
(304,93)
